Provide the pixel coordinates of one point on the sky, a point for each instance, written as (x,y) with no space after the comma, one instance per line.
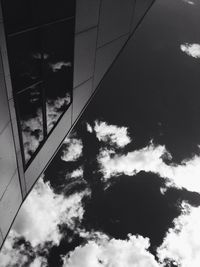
(124,188)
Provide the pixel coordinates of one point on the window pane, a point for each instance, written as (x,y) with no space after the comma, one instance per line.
(25,59)
(49,11)
(23,14)
(30,111)
(58,95)
(58,40)
(18,15)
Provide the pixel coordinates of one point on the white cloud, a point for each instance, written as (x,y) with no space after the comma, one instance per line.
(104,252)
(15,254)
(12,257)
(189,2)
(150,159)
(39,262)
(43,211)
(146,159)
(182,243)
(55,109)
(89,128)
(32,134)
(77,173)
(192,50)
(58,65)
(186,175)
(32,128)
(71,149)
(110,133)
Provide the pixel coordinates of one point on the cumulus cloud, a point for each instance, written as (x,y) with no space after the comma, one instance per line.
(150,159)
(113,134)
(105,252)
(59,65)
(32,128)
(89,128)
(71,149)
(43,211)
(32,134)
(10,256)
(16,253)
(38,223)
(39,262)
(192,50)
(55,108)
(146,159)
(182,243)
(77,173)
(189,2)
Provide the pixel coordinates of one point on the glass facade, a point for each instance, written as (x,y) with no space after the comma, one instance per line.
(24,14)
(40,39)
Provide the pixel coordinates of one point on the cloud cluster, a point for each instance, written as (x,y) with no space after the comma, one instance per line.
(10,256)
(32,128)
(190,2)
(71,149)
(38,223)
(55,108)
(192,50)
(112,134)
(15,253)
(77,173)
(146,159)
(59,65)
(151,159)
(43,211)
(104,252)
(182,243)
(32,134)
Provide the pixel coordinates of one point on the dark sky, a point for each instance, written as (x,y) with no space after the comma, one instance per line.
(153,91)
(154,87)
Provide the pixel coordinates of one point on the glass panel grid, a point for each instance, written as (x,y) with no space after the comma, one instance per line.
(41,66)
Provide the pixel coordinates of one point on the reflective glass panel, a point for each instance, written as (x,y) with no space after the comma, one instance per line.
(53,10)
(23,14)
(58,95)
(18,15)
(25,54)
(58,42)
(30,111)
(41,55)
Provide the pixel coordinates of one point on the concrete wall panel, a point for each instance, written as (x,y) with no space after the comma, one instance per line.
(8,163)
(4,110)
(1,238)
(87,14)
(105,56)
(17,146)
(85,48)
(1,15)
(2,38)
(10,204)
(81,95)
(115,19)
(140,8)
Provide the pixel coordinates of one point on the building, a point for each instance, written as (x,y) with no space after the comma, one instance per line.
(53,56)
